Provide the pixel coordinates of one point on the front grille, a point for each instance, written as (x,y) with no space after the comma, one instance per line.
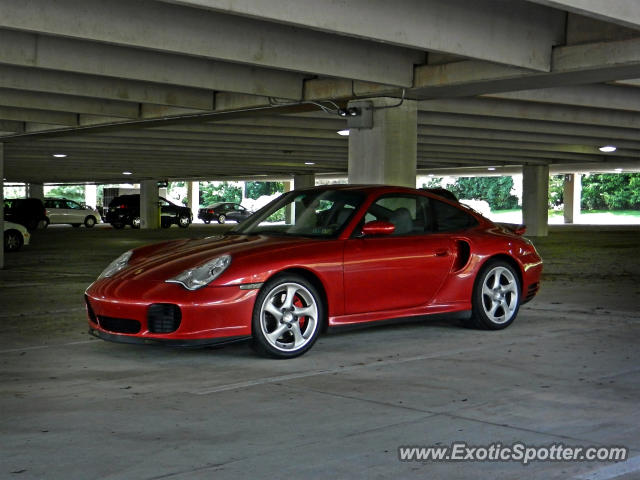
(532,291)
(119,325)
(163,317)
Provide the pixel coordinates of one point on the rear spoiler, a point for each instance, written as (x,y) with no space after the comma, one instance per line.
(518,229)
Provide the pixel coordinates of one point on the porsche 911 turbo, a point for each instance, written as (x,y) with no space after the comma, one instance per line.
(313,259)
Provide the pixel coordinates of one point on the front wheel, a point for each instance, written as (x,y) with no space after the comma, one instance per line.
(12,241)
(496,296)
(221,219)
(286,317)
(135,223)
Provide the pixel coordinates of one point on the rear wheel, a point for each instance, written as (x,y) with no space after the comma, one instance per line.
(135,223)
(221,219)
(496,296)
(286,317)
(12,241)
(183,222)
(90,221)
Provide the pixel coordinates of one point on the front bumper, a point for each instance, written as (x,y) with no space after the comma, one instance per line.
(194,343)
(123,311)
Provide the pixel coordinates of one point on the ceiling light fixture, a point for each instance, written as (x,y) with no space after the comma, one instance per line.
(309,163)
(608,148)
(60,155)
(126,173)
(618,170)
(491,168)
(344,133)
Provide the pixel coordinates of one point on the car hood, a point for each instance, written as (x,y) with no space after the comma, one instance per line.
(166,260)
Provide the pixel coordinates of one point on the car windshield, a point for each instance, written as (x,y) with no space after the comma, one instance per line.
(307,213)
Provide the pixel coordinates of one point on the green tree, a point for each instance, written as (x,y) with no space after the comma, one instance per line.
(255,190)
(213,192)
(496,191)
(611,191)
(556,190)
(71,192)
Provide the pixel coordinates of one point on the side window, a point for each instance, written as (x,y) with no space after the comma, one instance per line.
(451,219)
(164,203)
(74,205)
(408,213)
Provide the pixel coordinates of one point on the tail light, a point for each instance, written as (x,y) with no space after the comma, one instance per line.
(211,211)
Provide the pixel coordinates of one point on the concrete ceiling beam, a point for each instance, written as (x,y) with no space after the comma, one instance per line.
(499,31)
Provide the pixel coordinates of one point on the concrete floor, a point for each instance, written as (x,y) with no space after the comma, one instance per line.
(73,407)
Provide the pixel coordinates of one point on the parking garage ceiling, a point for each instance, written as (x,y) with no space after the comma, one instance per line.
(215,89)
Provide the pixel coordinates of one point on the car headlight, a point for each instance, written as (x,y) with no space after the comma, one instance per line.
(118,264)
(201,276)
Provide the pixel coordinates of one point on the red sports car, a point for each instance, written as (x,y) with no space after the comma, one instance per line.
(317,258)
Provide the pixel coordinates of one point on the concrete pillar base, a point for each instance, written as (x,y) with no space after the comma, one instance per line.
(35,190)
(535,199)
(193,197)
(386,153)
(572,194)
(304,181)
(149,209)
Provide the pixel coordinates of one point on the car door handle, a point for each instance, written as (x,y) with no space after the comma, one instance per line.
(442,253)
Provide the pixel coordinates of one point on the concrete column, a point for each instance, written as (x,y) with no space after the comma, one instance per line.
(91,195)
(193,197)
(2,203)
(387,152)
(572,194)
(304,180)
(288,212)
(535,199)
(149,216)
(35,190)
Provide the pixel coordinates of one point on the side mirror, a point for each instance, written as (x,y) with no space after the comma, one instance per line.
(378,227)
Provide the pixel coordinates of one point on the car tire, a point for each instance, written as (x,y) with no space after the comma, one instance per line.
(221,219)
(118,225)
(278,328)
(90,221)
(496,296)
(207,221)
(13,241)
(135,223)
(184,222)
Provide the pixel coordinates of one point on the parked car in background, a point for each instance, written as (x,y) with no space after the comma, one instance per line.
(316,258)
(223,211)
(15,236)
(29,212)
(125,210)
(64,211)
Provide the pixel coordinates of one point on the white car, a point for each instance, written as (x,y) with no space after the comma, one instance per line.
(15,236)
(61,210)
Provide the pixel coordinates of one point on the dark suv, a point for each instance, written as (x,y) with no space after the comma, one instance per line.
(221,212)
(125,210)
(29,212)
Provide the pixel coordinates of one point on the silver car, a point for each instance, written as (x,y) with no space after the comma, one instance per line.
(62,210)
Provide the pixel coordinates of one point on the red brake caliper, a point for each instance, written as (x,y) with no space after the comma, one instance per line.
(298,303)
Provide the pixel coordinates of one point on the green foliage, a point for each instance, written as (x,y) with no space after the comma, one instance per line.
(434,182)
(556,190)
(496,191)
(255,190)
(611,191)
(71,192)
(213,192)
